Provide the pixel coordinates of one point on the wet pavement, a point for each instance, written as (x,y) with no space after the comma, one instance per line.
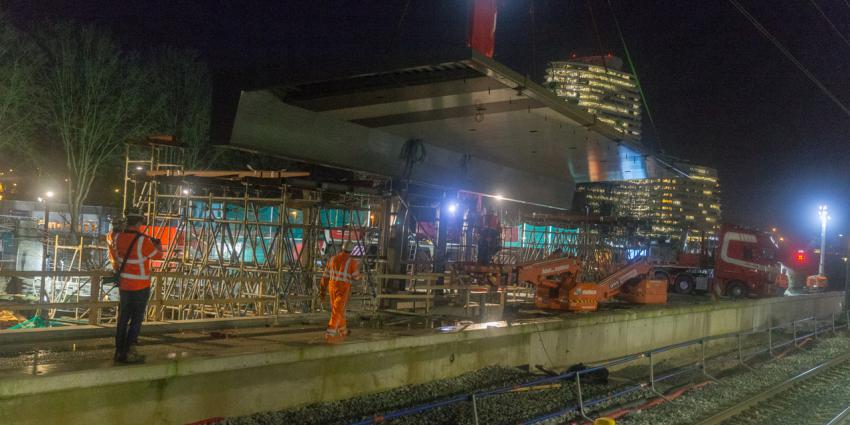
(62,356)
(93,353)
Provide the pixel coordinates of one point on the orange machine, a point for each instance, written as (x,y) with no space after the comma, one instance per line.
(556,285)
(631,285)
(816,283)
(558,288)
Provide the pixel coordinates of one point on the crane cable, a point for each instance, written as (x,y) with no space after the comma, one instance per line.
(397,33)
(829,21)
(789,55)
(634,72)
(598,37)
(533,39)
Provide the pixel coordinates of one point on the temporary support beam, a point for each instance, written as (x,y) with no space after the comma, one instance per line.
(229,174)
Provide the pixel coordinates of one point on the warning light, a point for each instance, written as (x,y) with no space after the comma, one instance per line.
(800,256)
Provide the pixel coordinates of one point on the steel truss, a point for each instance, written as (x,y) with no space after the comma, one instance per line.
(245,243)
(239,246)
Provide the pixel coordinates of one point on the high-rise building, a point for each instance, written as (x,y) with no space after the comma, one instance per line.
(599,85)
(669,208)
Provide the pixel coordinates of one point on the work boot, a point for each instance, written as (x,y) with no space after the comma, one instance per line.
(133,356)
(119,357)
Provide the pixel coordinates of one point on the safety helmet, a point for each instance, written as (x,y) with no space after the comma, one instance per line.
(133,212)
(348,246)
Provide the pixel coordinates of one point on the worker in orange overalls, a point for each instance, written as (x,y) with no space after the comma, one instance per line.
(341,271)
(132,252)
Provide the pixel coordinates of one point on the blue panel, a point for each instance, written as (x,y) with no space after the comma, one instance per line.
(633,162)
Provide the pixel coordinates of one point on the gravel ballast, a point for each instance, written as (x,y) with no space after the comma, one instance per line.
(511,408)
(700,404)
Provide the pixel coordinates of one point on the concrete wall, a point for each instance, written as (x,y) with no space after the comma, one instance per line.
(195,389)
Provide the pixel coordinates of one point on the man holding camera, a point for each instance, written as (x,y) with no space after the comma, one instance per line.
(131,252)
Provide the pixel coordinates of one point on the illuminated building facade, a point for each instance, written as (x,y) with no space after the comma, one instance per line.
(598,84)
(668,209)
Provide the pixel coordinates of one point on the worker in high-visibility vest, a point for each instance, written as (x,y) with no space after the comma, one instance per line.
(132,252)
(342,269)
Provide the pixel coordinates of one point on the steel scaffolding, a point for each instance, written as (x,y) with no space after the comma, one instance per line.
(243,243)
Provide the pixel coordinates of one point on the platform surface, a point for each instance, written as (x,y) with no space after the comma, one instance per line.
(75,353)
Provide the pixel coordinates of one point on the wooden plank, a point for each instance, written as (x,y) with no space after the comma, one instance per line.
(55,273)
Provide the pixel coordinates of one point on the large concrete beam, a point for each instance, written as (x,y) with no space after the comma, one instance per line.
(266,124)
(188,390)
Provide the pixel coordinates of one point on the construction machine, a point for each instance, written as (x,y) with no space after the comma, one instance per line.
(558,285)
(745,263)
(633,284)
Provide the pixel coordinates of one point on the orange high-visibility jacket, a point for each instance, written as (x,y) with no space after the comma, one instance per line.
(137,273)
(342,268)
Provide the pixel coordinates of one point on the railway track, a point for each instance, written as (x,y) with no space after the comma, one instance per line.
(820,395)
(842,417)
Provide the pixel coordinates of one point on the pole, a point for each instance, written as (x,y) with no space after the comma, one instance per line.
(126,176)
(822,213)
(44,251)
(847,279)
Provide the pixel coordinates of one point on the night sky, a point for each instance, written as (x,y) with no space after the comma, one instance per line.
(720,93)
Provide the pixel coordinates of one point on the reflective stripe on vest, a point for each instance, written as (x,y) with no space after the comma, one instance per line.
(139,260)
(342,275)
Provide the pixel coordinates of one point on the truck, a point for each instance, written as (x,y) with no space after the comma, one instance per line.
(745,263)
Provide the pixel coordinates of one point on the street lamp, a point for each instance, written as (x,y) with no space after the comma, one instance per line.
(453,207)
(823,214)
(819,282)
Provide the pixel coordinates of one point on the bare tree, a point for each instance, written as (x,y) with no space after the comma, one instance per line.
(18,62)
(94,99)
(183,82)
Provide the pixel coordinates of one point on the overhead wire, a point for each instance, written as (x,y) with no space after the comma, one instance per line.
(533,39)
(634,72)
(397,33)
(831,24)
(598,37)
(789,55)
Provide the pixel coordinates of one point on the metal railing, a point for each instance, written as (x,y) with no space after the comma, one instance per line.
(581,406)
(266,298)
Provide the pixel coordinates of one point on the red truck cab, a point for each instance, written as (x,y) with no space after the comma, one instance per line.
(747,264)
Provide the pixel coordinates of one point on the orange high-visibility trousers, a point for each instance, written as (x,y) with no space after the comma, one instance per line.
(339,293)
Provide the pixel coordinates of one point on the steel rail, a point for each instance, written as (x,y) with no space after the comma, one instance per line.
(580,407)
(839,418)
(763,396)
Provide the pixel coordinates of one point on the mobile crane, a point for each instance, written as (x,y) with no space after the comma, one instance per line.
(557,285)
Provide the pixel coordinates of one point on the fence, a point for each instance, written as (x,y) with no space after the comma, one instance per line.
(581,405)
(244,295)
